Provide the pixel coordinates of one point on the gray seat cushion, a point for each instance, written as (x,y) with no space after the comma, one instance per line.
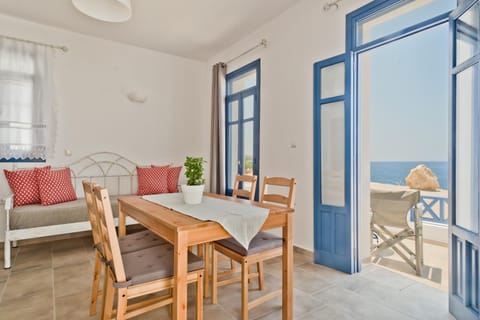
(153,264)
(139,240)
(261,242)
(36,215)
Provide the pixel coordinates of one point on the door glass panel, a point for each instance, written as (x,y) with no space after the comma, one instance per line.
(245,81)
(233,145)
(333,154)
(468,34)
(333,81)
(233,111)
(248,148)
(248,107)
(466,215)
(400,16)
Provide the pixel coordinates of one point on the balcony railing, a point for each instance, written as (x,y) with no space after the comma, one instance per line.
(435,209)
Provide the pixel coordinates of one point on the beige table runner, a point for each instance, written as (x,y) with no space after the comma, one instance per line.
(242,220)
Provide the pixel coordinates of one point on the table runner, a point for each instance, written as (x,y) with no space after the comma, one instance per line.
(242,220)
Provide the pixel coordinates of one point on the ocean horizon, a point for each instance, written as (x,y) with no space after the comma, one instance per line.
(395,172)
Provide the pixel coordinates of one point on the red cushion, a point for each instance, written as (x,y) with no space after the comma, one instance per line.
(24,185)
(172,178)
(55,186)
(152,180)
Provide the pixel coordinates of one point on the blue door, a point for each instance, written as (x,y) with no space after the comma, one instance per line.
(464,157)
(333,220)
(242,124)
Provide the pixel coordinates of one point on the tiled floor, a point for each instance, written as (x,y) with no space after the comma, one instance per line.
(52,281)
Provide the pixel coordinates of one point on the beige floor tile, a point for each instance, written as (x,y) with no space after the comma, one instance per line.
(71,279)
(24,284)
(30,259)
(74,307)
(38,307)
(73,256)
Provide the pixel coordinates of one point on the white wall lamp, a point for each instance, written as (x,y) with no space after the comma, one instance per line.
(105,10)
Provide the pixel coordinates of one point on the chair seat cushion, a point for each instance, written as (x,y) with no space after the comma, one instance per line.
(139,240)
(261,242)
(154,263)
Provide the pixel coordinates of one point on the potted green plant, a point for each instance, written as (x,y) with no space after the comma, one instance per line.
(193,190)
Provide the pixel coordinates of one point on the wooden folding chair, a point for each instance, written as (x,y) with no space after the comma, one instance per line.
(390,211)
(139,273)
(264,246)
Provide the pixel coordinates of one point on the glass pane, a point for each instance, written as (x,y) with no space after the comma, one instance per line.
(468,34)
(233,152)
(248,148)
(333,81)
(233,111)
(333,154)
(400,16)
(466,141)
(248,107)
(242,82)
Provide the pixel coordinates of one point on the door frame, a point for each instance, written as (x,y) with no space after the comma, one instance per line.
(239,96)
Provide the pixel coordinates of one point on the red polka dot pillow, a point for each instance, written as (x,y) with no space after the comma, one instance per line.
(55,186)
(172,178)
(152,180)
(24,186)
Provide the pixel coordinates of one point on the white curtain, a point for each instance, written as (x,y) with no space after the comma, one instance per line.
(27,126)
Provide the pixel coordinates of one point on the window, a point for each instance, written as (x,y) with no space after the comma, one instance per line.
(242,116)
(26,101)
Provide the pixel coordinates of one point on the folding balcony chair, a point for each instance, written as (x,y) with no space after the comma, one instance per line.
(390,212)
(264,246)
(128,243)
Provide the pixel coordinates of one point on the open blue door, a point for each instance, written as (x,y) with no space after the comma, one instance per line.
(464,223)
(333,238)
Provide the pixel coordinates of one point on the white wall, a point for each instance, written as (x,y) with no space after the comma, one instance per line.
(94,114)
(92,79)
(299,37)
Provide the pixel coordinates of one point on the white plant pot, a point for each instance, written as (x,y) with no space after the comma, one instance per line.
(192,194)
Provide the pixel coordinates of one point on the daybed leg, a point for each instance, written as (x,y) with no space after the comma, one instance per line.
(14,244)
(6,251)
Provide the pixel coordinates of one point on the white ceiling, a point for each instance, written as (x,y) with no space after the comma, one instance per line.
(194,29)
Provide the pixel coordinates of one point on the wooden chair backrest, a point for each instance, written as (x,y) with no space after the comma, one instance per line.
(91,209)
(108,233)
(249,194)
(288,200)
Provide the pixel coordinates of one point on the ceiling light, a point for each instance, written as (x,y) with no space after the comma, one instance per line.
(105,10)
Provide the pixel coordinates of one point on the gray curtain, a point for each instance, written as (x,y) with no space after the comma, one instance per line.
(217,139)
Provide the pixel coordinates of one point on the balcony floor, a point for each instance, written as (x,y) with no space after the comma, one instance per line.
(52,281)
(435,271)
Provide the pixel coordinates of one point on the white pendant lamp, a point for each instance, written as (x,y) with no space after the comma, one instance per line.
(105,10)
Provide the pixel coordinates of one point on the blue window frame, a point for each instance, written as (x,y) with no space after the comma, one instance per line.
(242,123)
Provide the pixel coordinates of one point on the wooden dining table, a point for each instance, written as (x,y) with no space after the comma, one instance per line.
(183,231)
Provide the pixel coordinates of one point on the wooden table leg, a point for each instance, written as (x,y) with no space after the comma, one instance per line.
(122,221)
(180,275)
(287,266)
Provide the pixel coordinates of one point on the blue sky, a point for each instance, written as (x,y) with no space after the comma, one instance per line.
(409,95)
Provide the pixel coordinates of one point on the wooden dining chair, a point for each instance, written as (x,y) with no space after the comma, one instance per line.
(247,181)
(264,246)
(140,273)
(128,243)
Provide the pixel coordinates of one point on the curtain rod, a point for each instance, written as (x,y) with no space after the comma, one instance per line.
(63,48)
(262,43)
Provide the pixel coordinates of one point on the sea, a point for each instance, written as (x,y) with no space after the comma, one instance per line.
(393,172)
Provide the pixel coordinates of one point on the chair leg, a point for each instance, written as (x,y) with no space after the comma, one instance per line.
(214,275)
(260,275)
(200,297)
(121,303)
(95,283)
(244,290)
(108,296)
